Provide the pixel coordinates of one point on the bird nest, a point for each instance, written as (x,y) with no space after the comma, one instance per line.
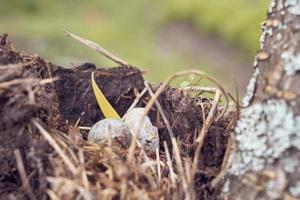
(46,111)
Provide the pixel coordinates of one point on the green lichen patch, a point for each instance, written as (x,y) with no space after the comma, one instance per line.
(292,62)
(263,133)
(294,6)
(295,190)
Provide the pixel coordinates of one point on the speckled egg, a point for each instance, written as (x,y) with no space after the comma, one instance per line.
(106,128)
(148,135)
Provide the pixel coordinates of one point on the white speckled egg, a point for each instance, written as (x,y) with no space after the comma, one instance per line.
(106,128)
(148,135)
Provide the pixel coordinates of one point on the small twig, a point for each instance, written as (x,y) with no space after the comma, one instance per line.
(23,175)
(83,172)
(123,188)
(147,159)
(188,172)
(132,146)
(68,183)
(133,141)
(208,121)
(211,90)
(135,102)
(33,81)
(140,193)
(16,65)
(237,103)
(84,128)
(144,166)
(52,195)
(56,147)
(12,66)
(59,140)
(179,164)
(97,48)
(158,165)
(159,107)
(169,163)
(235,100)
(206,124)
(198,89)
(225,163)
(30,95)
(77,122)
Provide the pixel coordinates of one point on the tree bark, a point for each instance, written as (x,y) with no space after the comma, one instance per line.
(265,162)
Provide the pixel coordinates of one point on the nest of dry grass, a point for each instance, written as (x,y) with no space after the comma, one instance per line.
(44,153)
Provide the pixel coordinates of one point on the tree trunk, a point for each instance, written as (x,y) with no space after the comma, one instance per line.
(265,163)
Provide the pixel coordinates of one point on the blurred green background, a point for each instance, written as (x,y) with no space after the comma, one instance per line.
(161,36)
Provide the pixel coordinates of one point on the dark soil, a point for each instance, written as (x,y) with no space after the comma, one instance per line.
(76,98)
(60,104)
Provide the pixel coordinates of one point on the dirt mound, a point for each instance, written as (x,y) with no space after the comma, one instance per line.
(42,154)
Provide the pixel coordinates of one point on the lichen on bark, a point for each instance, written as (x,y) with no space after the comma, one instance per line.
(263,133)
(265,160)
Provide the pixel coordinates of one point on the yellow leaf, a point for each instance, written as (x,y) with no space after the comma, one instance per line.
(107,110)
